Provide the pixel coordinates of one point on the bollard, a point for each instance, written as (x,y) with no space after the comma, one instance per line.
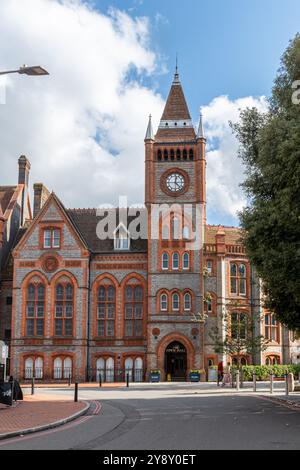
(127,380)
(69,380)
(237,380)
(254,381)
(271,383)
(76,392)
(286,376)
(32,386)
(100,380)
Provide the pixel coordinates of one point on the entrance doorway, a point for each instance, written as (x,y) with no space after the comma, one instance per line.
(176,361)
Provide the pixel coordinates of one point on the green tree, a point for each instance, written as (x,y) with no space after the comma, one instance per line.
(237,337)
(270,150)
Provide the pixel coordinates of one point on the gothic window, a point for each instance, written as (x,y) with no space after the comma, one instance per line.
(35,310)
(165,261)
(178,154)
(175,261)
(187,302)
(238,279)
(186,261)
(272,360)
(163,302)
(165,232)
(106,311)
(159,155)
(166,156)
(134,306)
(172,155)
(191,154)
(175,301)
(271,328)
(63,313)
(175,228)
(62,368)
(34,367)
(184,154)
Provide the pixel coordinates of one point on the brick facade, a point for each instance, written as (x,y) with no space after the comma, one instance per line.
(110,327)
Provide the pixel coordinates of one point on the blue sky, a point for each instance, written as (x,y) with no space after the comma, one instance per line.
(229,52)
(227,47)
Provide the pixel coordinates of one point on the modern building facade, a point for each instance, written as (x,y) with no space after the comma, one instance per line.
(84,305)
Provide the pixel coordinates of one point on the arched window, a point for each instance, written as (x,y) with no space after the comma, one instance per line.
(64,306)
(110,370)
(100,367)
(35,310)
(178,154)
(163,302)
(184,154)
(57,368)
(129,367)
(29,366)
(208,302)
(106,311)
(187,302)
(238,279)
(175,301)
(242,279)
(138,369)
(186,261)
(175,261)
(38,368)
(233,278)
(271,328)
(165,261)
(159,155)
(238,326)
(134,304)
(172,155)
(166,155)
(272,360)
(67,367)
(191,154)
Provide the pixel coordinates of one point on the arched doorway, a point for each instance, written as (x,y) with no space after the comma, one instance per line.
(176,361)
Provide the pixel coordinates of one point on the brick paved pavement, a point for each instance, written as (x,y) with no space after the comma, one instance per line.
(30,414)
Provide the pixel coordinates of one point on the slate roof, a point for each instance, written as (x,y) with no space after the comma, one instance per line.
(86,221)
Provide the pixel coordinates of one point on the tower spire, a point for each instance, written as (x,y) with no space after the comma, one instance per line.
(200,133)
(176,75)
(149,133)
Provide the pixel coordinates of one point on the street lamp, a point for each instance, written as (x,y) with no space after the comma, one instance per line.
(35,70)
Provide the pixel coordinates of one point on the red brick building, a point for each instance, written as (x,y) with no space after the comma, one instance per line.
(85,306)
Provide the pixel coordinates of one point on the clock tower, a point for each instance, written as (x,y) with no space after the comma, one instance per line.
(175,199)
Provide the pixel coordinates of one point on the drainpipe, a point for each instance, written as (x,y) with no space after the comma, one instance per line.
(88,322)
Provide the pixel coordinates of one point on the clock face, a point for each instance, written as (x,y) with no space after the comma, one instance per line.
(175,182)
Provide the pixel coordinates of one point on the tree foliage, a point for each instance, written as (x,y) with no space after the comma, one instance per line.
(237,336)
(270,150)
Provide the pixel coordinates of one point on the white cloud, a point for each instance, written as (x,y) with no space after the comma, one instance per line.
(90,93)
(224,169)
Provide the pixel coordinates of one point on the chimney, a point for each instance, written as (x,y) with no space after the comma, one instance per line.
(220,241)
(41,195)
(24,168)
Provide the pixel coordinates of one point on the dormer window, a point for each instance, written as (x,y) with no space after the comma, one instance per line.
(52,238)
(122,239)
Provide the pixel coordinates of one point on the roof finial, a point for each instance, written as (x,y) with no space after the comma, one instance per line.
(149,133)
(200,133)
(176,76)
